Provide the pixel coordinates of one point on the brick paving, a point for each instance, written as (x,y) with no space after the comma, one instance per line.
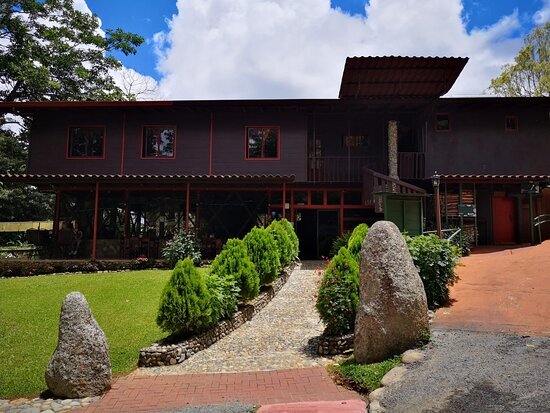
(165,392)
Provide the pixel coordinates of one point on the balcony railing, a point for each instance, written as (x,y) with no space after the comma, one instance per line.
(341,168)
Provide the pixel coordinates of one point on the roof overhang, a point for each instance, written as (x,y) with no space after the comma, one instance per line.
(399,76)
(454,178)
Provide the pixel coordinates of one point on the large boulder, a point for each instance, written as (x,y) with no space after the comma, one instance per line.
(393,313)
(80,365)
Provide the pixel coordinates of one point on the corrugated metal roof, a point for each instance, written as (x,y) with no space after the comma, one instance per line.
(392,76)
(113,178)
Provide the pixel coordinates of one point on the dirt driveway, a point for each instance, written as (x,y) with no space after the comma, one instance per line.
(502,291)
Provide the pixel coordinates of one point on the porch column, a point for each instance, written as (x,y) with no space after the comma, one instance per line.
(96,212)
(341,213)
(187,198)
(392,149)
(56,214)
(284,199)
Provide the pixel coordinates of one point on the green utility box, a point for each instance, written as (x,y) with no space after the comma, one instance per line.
(404,210)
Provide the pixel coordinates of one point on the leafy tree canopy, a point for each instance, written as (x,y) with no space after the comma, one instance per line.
(50,51)
(530,73)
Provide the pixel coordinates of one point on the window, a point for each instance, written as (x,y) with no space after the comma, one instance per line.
(86,142)
(511,123)
(442,122)
(158,142)
(262,142)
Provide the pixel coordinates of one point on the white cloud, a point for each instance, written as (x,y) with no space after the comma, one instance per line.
(216,49)
(542,15)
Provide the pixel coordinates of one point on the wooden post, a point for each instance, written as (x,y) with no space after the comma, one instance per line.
(292,206)
(436,184)
(96,216)
(187,200)
(284,200)
(56,214)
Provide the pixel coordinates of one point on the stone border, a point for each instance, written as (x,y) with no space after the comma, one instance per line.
(164,354)
(332,345)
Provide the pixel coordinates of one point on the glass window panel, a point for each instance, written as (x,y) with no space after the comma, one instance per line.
(262,142)
(86,141)
(158,142)
(300,198)
(333,198)
(352,198)
(317,198)
(511,123)
(442,122)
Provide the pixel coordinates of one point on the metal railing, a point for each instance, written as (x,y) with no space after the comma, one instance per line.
(538,221)
(444,233)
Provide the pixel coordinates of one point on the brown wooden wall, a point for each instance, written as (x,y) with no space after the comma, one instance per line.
(477,142)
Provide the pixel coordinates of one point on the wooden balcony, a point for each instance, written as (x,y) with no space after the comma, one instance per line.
(341,169)
(374,182)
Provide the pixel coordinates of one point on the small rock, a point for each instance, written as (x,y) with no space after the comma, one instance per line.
(30,410)
(393,376)
(376,394)
(75,403)
(66,402)
(412,356)
(48,411)
(375,407)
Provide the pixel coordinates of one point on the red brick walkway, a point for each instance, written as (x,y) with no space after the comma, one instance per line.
(156,393)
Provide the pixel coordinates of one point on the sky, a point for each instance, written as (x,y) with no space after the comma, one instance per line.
(233,49)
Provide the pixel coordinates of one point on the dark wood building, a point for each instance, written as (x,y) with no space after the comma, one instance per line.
(129,174)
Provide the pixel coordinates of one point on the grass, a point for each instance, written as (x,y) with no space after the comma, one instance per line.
(363,378)
(124,304)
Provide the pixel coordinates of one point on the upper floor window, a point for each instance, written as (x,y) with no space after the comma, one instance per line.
(262,142)
(442,122)
(511,123)
(158,142)
(86,142)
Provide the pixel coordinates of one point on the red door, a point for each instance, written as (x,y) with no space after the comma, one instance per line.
(504,220)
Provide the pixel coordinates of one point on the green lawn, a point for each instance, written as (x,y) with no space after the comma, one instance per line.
(123,303)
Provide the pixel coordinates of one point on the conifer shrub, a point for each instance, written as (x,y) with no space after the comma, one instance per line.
(184,244)
(289,228)
(284,243)
(224,294)
(264,253)
(233,262)
(338,295)
(185,301)
(356,239)
(339,242)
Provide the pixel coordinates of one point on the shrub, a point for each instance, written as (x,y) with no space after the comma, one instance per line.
(435,260)
(184,303)
(356,239)
(233,262)
(263,252)
(338,295)
(184,244)
(289,228)
(223,296)
(363,378)
(339,242)
(284,243)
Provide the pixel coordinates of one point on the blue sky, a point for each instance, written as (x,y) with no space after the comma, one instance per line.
(146,17)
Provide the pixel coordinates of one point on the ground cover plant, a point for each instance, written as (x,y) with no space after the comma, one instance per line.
(362,378)
(124,304)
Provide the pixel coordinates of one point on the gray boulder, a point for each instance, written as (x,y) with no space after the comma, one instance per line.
(393,313)
(80,365)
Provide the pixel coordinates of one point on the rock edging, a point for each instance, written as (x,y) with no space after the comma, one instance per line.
(164,354)
(332,345)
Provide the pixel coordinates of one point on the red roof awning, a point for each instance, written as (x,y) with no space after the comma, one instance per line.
(398,76)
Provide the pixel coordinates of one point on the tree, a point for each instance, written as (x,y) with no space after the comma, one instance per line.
(530,73)
(50,51)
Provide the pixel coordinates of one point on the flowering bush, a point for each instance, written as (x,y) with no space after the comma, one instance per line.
(140,263)
(338,295)
(184,244)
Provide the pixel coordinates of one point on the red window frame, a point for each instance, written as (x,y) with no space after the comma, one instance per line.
(68,150)
(247,157)
(158,158)
(448,121)
(506,123)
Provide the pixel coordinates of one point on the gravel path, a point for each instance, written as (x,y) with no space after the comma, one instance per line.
(467,371)
(281,336)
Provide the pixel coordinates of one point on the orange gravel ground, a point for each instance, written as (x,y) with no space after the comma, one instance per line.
(501,290)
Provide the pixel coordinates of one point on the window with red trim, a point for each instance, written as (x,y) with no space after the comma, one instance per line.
(158,142)
(86,142)
(262,142)
(442,122)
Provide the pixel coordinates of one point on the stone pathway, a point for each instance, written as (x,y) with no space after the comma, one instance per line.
(281,336)
(38,405)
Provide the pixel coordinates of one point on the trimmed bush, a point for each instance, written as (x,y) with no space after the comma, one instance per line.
(339,242)
(289,228)
(338,295)
(435,260)
(233,262)
(264,253)
(185,301)
(284,243)
(356,239)
(184,244)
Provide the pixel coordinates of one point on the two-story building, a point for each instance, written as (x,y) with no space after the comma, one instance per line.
(130,174)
